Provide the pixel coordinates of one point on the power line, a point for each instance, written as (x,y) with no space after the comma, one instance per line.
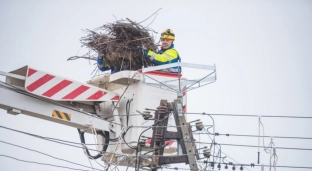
(167,168)
(225,153)
(46,154)
(240,115)
(242,135)
(252,165)
(50,139)
(241,145)
(44,138)
(53,140)
(1,155)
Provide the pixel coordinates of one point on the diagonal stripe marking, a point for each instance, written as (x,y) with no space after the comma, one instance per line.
(39,82)
(31,72)
(69,116)
(115,98)
(63,116)
(58,114)
(57,88)
(76,92)
(97,95)
(54,114)
(66,115)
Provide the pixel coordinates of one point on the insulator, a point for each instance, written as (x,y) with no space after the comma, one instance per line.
(206,152)
(233,168)
(226,166)
(157,137)
(162,110)
(199,125)
(241,168)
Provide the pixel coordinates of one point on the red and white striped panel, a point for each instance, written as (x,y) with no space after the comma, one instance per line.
(61,89)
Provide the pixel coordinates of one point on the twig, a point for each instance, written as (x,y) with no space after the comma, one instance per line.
(141,39)
(151,22)
(150,16)
(78,57)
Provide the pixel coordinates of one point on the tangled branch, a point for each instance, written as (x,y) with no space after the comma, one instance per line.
(117,44)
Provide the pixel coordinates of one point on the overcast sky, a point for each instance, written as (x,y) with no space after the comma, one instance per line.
(262,51)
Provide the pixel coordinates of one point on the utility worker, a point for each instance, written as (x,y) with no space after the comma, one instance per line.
(167,54)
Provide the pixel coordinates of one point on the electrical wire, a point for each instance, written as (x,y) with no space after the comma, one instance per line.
(46,154)
(253,165)
(240,115)
(2,155)
(145,154)
(12,88)
(69,145)
(134,75)
(267,150)
(128,106)
(248,116)
(242,145)
(274,155)
(52,139)
(214,138)
(123,137)
(104,134)
(116,148)
(236,115)
(55,140)
(223,152)
(82,139)
(256,136)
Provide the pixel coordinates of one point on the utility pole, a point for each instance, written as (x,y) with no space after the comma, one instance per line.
(183,136)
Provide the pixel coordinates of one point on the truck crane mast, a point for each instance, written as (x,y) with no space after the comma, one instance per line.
(103,106)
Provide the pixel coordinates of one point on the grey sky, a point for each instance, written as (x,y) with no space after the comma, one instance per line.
(262,50)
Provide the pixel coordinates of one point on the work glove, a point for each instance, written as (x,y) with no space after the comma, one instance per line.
(99,59)
(143,51)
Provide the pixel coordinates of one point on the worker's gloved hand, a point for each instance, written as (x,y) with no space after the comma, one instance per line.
(99,61)
(142,50)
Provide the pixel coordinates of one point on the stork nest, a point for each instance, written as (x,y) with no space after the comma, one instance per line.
(117,44)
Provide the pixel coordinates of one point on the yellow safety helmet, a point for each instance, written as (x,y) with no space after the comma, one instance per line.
(167,34)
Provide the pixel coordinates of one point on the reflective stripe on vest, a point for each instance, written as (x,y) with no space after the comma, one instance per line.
(168,57)
(153,56)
